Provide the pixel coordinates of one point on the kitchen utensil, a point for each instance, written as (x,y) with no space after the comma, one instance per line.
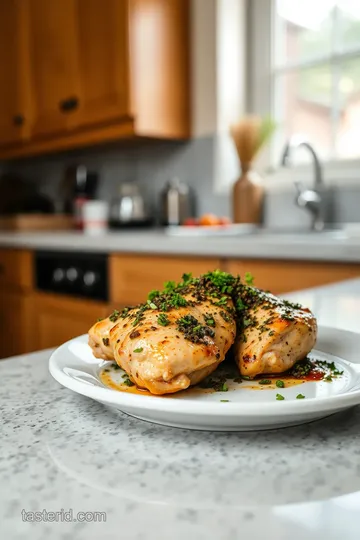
(177,203)
(249,135)
(129,209)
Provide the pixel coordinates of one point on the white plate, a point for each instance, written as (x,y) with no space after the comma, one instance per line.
(74,366)
(232,229)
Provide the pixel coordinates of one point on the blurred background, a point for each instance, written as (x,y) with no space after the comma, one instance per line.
(140,139)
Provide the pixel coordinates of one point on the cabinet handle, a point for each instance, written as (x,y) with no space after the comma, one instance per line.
(69,104)
(18,120)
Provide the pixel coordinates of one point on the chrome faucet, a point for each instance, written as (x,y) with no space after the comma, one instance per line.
(310,199)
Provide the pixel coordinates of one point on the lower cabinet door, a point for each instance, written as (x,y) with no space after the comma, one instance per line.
(15,321)
(58,318)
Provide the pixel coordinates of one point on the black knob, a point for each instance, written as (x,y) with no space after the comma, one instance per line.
(18,120)
(69,104)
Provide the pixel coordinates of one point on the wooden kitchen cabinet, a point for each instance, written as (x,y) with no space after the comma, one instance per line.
(15,323)
(103,50)
(132,277)
(98,71)
(59,318)
(14,73)
(16,281)
(286,276)
(54,64)
(78,63)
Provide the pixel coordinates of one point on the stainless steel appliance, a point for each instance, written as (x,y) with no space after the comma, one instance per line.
(70,273)
(177,203)
(130,208)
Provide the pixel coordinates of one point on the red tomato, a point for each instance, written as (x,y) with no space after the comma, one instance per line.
(190,222)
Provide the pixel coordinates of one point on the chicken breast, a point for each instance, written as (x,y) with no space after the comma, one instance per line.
(175,339)
(273,334)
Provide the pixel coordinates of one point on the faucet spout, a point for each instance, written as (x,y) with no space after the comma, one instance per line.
(310,199)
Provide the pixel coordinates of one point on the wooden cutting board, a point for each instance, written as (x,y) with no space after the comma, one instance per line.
(36,222)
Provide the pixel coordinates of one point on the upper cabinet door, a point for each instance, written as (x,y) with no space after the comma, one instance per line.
(103,28)
(14,88)
(54,65)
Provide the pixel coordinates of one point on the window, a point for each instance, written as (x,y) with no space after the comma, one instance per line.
(313,71)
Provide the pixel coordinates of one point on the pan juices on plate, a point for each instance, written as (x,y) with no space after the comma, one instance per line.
(181,334)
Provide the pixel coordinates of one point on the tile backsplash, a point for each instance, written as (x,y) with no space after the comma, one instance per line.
(153,163)
(150,164)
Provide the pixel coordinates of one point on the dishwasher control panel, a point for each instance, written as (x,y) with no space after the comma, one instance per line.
(75,274)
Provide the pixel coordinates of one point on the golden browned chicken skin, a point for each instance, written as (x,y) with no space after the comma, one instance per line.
(174,340)
(273,334)
(180,335)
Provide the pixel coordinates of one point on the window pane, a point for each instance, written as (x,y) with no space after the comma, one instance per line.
(303,105)
(348,35)
(303,30)
(348,133)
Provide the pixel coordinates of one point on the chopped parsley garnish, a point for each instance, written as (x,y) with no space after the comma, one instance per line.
(240,306)
(291,305)
(328,378)
(187,277)
(279,397)
(265,381)
(153,294)
(169,286)
(209,320)
(224,400)
(152,305)
(163,319)
(139,349)
(114,316)
(116,367)
(300,396)
(280,384)
(249,279)
(330,366)
(224,387)
(222,302)
(127,382)
(227,318)
(193,330)
(301,369)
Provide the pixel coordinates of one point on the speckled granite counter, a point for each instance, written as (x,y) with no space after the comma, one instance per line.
(336,246)
(60,450)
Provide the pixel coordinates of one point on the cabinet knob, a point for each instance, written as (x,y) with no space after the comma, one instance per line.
(18,120)
(69,104)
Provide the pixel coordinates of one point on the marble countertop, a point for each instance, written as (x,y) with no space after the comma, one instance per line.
(337,246)
(60,450)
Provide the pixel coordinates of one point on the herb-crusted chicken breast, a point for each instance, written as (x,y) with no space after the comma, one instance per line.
(273,334)
(175,339)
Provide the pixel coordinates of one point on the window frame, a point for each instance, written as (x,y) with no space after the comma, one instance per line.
(262,71)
